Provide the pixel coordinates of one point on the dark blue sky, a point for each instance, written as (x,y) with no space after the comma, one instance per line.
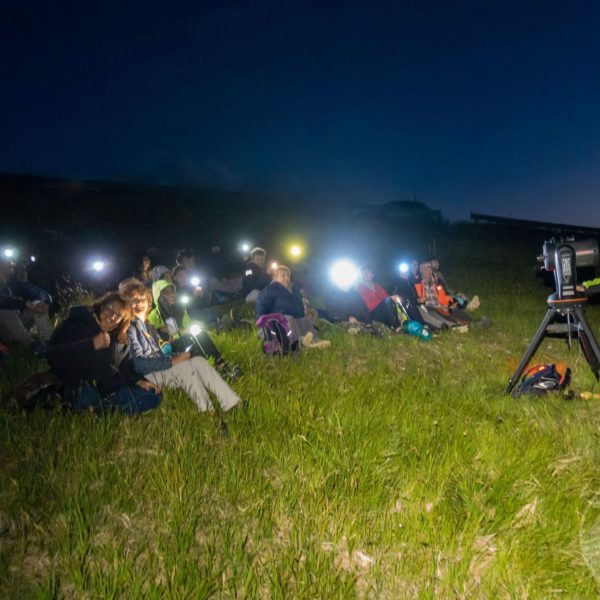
(466,105)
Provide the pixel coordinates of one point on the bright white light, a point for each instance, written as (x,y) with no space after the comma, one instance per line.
(195,329)
(9,252)
(184,299)
(274,265)
(98,265)
(344,273)
(245,247)
(32,258)
(295,250)
(195,280)
(404,267)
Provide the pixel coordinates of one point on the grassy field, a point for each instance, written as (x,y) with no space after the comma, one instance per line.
(381,468)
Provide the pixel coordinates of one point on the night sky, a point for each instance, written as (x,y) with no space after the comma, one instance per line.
(463,105)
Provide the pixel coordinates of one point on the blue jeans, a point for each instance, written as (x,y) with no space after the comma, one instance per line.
(128,399)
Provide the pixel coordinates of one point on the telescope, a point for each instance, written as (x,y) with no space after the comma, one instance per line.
(563,258)
(586,252)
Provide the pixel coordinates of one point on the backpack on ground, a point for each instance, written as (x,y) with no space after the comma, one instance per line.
(276,335)
(541,379)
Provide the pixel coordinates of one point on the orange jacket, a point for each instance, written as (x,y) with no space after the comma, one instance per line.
(442,297)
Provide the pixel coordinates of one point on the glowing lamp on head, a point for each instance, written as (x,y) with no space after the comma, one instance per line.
(98,266)
(32,258)
(245,246)
(195,329)
(295,251)
(403,267)
(9,252)
(344,274)
(274,266)
(195,280)
(184,300)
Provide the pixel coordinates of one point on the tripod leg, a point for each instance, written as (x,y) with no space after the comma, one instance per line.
(533,346)
(591,342)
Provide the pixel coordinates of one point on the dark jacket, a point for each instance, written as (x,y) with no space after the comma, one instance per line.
(72,358)
(145,349)
(255,278)
(276,298)
(341,305)
(14,295)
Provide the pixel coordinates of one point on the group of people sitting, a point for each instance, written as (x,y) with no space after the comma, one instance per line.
(120,351)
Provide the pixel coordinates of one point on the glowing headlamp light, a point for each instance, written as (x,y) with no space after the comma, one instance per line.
(195,280)
(403,267)
(195,329)
(344,274)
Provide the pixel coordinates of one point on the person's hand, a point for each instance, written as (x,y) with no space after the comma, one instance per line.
(101,341)
(352,320)
(396,298)
(179,358)
(148,386)
(38,307)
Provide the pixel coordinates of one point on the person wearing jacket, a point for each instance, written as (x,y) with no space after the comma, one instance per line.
(256,277)
(281,296)
(181,370)
(89,354)
(22,305)
(173,323)
(433,296)
(379,303)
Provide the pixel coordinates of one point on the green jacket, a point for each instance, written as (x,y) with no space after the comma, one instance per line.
(155,318)
(592,286)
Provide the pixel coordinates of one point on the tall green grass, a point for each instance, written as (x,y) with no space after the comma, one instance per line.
(380,468)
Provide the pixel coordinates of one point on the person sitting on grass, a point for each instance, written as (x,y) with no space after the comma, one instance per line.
(180,370)
(433,296)
(89,354)
(461,300)
(172,322)
(381,306)
(256,277)
(281,296)
(22,305)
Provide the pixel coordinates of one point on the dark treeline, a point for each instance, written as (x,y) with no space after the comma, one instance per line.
(65,222)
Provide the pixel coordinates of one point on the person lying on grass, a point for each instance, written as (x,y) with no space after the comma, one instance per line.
(172,322)
(180,370)
(89,354)
(281,296)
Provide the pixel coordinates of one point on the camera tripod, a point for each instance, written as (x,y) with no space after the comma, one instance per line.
(574,310)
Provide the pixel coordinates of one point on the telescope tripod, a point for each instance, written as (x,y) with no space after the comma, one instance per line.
(573,309)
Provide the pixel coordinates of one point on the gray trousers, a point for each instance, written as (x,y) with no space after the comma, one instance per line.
(14,326)
(196,377)
(301,326)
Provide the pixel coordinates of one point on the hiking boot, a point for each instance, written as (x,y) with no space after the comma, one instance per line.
(474,303)
(320,344)
(306,340)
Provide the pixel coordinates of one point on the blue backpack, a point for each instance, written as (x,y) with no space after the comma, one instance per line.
(276,335)
(541,379)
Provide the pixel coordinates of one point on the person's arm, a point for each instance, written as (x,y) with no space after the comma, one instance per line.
(264,302)
(145,364)
(11,302)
